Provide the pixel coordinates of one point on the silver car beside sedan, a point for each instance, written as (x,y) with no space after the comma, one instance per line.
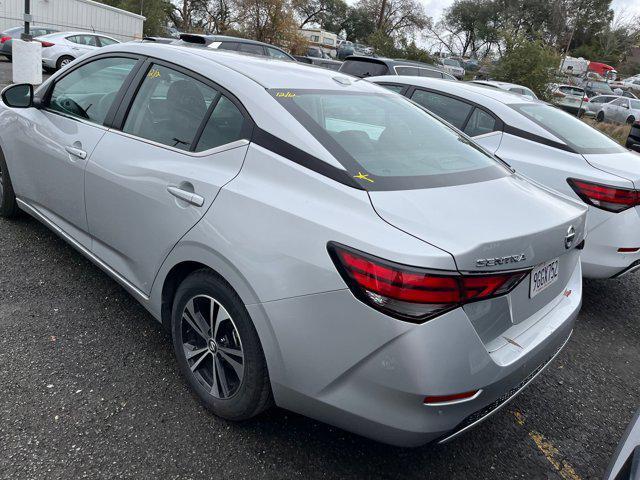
(309,239)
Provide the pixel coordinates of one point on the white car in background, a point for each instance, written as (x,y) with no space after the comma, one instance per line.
(509,87)
(569,98)
(554,149)
(453,67)
(620,110)
(632,84)
(60,49)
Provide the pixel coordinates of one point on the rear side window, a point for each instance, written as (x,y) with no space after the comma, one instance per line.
(453,111)
(574,132)
(251,48)
(480,123)
(635,104)
(169,108)
(104,41)
(426,72)
(409,71)
(275,53)
(89,91)
(228,46)
(393,88)
(364,68)
(225,125)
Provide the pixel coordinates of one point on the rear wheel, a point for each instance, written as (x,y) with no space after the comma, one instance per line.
(64,61)
(218,349)
(600,116)
(8,205)
(631,120)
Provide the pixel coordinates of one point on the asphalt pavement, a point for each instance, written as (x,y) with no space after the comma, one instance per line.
(89,389)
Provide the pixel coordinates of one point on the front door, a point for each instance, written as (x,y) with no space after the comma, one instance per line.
(153,179)
(57,141)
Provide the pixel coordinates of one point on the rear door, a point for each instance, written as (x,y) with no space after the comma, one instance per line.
(176,141)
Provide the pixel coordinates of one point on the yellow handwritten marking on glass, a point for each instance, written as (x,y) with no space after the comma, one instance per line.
(285,94)
(363,176)
(153,73)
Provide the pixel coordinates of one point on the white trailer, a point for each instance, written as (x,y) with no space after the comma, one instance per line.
(74,15)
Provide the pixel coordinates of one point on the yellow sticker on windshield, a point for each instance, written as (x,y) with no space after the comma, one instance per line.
(363,176)
(153,73)
(285,94)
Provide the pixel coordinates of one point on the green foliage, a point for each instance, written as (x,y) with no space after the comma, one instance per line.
(385,46)
(528,62)
(155,11)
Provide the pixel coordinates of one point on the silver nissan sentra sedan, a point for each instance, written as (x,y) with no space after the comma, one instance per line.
(309,239)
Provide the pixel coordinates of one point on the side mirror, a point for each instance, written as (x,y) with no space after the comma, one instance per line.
(18,96)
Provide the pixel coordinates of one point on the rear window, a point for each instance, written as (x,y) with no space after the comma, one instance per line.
(387,142)
(574,132)
(364,68)
(578,92)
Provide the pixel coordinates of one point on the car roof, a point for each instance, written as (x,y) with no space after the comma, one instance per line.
(72,33)
(227,38)
(498,84)
(260,69)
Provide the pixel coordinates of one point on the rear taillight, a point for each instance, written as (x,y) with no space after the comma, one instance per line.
(612,199)
(47,44)
(4,39)
(585,99)
(411,293)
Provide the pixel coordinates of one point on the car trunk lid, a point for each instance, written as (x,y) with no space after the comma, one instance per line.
(622,164)
(502,224)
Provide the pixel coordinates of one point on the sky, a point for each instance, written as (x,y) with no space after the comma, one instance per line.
(620,7)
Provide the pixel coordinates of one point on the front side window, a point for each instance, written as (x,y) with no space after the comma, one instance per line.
(169,108)
(87,40)
(574,132)
(426,72)
(386,142)
(89,91)
(453,111)
(393,88)
(635,104)
(620,102)
(480,123)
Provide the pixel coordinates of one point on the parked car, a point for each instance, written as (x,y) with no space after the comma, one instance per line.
(554,149)
(327,63)
(594,87)
(632,84)
(453,67)
(620,110)
(60,49)
(234,44)
(345,50)
(509,87)
(369,66)
(629,94)
(471,65)
(293,252)
(569,98)
(595,104)
(165,40)
(633,140)
(6,37)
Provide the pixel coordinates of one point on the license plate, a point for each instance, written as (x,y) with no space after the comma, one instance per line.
(543,276)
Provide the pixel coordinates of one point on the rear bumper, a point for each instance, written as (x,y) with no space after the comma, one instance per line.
(348,365)
(600,257)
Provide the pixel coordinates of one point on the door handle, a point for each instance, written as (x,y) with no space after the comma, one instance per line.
(189,197)
(76,152)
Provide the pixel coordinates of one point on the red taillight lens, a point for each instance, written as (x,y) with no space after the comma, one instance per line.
(411,293)
(4,39)
(47,44)
(585,99)
(612,199)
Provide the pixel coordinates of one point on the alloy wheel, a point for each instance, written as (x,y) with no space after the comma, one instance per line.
(212,346)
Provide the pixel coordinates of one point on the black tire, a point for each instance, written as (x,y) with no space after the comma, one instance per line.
(600,117)
(631,120)
(62,59)
(253,393)
(8,205)
(48,69)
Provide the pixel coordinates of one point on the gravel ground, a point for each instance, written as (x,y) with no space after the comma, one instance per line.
(89,389)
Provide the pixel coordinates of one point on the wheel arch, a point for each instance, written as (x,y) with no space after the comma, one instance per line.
(185,259)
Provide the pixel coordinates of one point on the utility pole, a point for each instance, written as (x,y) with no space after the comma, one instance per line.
(26,36)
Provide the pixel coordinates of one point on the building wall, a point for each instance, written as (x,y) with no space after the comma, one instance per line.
(74,15)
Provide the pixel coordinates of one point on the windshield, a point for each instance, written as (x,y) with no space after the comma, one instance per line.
(574,132)
(451,62)
(600,87)
(387,142)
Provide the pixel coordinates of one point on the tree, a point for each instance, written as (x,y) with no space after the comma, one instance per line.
(327,14)
(527,62)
